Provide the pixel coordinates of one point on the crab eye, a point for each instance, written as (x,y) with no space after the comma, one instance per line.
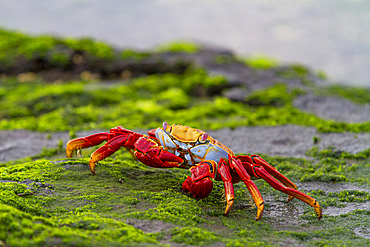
(204,137)
(165,125)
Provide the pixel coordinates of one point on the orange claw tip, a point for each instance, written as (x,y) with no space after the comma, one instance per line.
(228,207)
(319,212)
(92,166)
(69,153)
(260,211)
(290,198)
(318,209)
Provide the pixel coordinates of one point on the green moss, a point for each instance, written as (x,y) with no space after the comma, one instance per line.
(38,46)
(81,209)
(15,45)
(132,54)
(147,102)
(356,94)
(59,58)
(323,177)
(351,196)
(336,236)
(144,102)
(322,75)
(22,229)
(30,171)
(180,46)
(9,43)
(295,71)
(173,98)
(182,211)
(244,242)
(332,153)
(16,195)
(316,140)
(261,62)
(225,59)
(192,236)
(329,166)
(300,69)
(189,82)
(96,48)
(277,95)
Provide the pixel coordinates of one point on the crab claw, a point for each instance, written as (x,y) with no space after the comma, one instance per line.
(200,183)
(200,188)
(148,152)
(108,149)
(84,142)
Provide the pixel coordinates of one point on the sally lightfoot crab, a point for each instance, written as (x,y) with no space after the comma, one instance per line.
(206,158)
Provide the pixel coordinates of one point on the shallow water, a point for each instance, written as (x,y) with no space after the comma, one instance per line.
(331,35)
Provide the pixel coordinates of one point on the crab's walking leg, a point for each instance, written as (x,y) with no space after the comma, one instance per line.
(224,171)
(243,174)
(255,159)
(261,172)
(200,183)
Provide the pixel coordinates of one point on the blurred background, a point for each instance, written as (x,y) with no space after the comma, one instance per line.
(328,35)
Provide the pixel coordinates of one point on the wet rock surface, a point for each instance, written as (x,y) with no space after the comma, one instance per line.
(17,144)
(291,141)
(334,108)
(150,226)
(337,187)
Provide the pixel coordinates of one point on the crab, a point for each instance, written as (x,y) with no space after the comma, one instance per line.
(207,159)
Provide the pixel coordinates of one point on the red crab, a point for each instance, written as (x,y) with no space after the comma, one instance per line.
(206,158)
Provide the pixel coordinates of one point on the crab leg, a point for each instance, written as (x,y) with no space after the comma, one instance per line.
(200,183)
(239,168)
(255,159)
(224,171)
(292,192)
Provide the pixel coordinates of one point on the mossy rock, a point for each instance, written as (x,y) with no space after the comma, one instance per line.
(59,203)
